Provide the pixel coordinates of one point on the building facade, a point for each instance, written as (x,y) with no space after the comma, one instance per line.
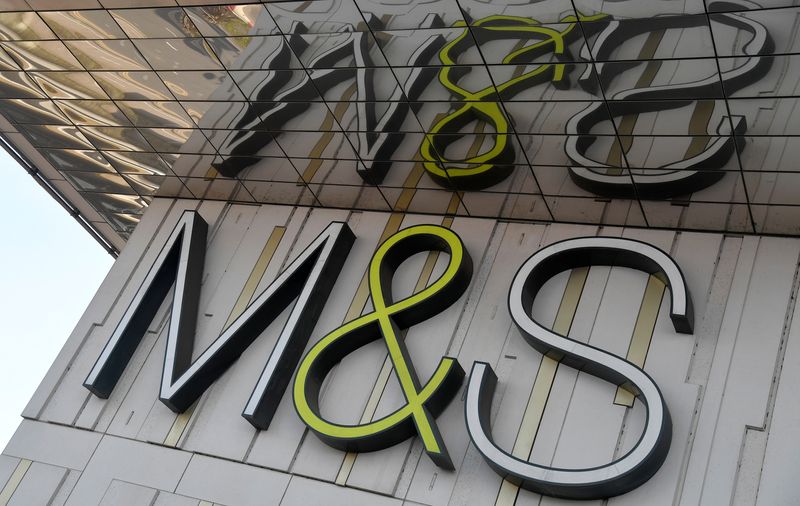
(416,253)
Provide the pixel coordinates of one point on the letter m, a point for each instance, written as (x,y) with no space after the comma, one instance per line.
(308,280)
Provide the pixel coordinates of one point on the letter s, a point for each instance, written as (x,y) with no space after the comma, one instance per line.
(642,462)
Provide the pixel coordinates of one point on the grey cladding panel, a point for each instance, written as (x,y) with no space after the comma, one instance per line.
(716,382)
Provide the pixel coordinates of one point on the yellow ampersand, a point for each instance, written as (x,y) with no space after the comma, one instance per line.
(388,320)
(490,167)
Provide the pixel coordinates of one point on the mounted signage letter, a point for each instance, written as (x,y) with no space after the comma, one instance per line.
(423,402)
(638,465)
(309,280)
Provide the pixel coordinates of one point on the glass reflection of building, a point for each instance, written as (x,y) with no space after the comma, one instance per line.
(675,114)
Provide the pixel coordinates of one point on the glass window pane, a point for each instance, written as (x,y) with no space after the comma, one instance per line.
(158,22)
(410,15)
(178,54)
(232,20)
(116,203)
(243,53)
(78,159)
(156,114)
(201,85)
(69,85)
(132,85)
(44,136)
(42,55)
(116,138)
(82,24)
(637,9)
(93,112)
(107,55)
(18,85)
(321,16)
(98,182)
(126,162)
(23,26)
(42,112)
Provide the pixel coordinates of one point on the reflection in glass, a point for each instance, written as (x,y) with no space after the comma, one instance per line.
(133,85)
(249,53)
(42,55)
(137,163)
(636,9)
(177,140)
(93,112)
(201,85)
(144,184)
(674,79)
(115,203)
(123,223)
(668,36)
(98,182)
(52,136)
(328,172)
(32,111)
(96,24)
(274,169)
(410,15)
(265,86)
(78,159)
(156,114)
(348,197)
(23,26)
(276,192)
(68,85)
(107,55)
(525,207)
(116,138)
(214,114)
(158,22)
(699,215)
(544,12)
(334,50)
(7,62)
(232,20)
(321,16)
(770,153)
(178,54)
(379,104)
(743,6)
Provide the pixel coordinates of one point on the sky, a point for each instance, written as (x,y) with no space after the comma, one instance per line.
(49,269)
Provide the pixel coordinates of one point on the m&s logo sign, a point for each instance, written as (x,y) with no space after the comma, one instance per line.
(307,283)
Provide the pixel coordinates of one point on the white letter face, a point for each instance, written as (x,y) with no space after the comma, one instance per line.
(642,462)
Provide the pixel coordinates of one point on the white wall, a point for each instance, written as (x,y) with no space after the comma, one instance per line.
(729,387)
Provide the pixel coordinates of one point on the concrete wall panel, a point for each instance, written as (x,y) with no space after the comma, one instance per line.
(728,386)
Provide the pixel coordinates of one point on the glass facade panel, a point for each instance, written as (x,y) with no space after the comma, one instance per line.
(107,54)
(515,109)
(82,24)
